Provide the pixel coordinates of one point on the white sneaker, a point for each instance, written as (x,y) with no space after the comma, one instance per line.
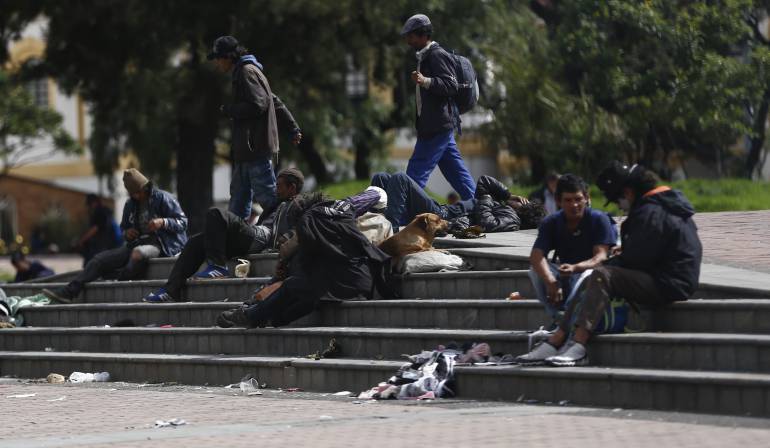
(572,354)
(538,355)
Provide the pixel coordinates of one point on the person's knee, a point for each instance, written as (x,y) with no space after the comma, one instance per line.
(380,180)
(138,256)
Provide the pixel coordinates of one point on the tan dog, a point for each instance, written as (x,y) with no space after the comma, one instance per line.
(417,236)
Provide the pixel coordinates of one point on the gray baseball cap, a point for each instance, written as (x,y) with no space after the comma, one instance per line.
(415,22)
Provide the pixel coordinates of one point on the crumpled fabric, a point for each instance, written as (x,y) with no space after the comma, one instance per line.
(10,306)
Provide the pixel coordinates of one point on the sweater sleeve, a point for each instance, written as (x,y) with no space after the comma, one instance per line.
(285,119)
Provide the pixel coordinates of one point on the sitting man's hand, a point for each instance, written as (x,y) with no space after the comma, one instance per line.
(569,269)
(616,250)
(553,292)
(132,234)
(155,224)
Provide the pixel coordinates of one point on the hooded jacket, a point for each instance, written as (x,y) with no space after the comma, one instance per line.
(255,113)
(660,238)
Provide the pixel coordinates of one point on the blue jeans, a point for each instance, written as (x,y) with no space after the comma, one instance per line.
(441,150)
(252,182)
(569,284)
(406,200)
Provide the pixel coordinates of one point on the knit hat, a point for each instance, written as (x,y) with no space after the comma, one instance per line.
(294,175)
(134,181)
(383,202)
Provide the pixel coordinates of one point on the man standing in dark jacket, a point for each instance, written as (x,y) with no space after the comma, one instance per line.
(437,116)
(255,113)
(659,260)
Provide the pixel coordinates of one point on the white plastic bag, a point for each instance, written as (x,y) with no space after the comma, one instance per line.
(375,227)
(429,261)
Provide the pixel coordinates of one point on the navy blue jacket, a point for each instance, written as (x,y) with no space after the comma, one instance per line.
(437,103)
(660,238)
(173,234)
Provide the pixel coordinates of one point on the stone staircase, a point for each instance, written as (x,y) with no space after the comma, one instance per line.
(710,354)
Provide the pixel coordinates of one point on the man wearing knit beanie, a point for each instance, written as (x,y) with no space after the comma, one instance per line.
(226,235)
(153,225)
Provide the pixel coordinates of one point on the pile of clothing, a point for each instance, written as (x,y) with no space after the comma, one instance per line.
(430,374)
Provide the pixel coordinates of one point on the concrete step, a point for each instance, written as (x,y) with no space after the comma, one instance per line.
(694,351)
(694,316)
(233,290)
(448,285)
(670,390)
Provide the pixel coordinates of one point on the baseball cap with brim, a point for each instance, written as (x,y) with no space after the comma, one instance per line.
(415,22)
(612,180)
(222,46)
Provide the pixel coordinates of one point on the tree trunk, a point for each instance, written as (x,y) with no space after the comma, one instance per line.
(198,123)
(313,158)
(758,140)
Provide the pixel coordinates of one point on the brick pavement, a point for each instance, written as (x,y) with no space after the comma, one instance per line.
(738,239)
(122,415)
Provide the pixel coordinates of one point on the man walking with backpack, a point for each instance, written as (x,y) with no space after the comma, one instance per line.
(437,114)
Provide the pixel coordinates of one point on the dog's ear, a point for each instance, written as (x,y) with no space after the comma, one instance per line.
(423,221)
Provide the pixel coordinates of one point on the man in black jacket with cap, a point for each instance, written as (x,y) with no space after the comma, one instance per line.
(255,113)
(437,115)
(659,262)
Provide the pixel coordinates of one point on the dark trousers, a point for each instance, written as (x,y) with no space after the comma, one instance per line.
(605,282)
(112,263)
(294,299)
(225,236)
(406,199)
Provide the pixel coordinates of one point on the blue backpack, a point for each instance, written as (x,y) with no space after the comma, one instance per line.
(467,84)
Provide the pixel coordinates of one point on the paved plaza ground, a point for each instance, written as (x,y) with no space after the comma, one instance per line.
(123,415)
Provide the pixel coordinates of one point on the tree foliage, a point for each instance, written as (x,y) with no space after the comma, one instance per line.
(23,125)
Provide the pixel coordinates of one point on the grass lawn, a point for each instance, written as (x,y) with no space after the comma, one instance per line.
(705,194)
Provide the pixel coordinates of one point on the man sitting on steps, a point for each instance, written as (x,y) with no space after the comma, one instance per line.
(226,236)
(658,262)
(153,225)
(580,237)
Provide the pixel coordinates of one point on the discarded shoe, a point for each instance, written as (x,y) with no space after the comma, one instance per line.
(60,295)
(572,354)
(235,317)
(213,271)
(159,296)
(538,355)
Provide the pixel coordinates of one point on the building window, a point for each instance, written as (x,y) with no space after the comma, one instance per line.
(38,89)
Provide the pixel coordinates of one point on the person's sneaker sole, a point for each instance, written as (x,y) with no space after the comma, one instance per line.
(523,363)
(55,297)
(567,363)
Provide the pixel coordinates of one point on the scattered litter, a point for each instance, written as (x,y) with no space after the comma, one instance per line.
(531,401)
(617,409)
(333,350)
(49,349)
(62,398)
(344,393)
(55,378)
(364,401)
(250,387)
(516,295)
(174,422)
(292,389)
(80,377)
(563,402)
(325,417)
(520,399)
(20,396)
